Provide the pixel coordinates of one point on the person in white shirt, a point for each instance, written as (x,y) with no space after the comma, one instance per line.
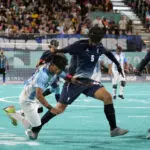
(116,77)
(98,22)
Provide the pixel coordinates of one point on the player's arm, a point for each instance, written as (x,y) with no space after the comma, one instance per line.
(41,98)
(73,49)
(110,55)
(144,62)
(110,68)
(126,68)
(41,81)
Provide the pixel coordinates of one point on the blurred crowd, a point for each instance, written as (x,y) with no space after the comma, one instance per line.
(142,9)
(57,17)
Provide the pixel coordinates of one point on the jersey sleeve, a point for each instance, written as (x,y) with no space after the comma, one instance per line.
(75,48)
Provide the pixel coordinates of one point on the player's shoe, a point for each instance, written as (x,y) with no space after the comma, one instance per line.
(9,110)
(118,132)
(121,96)
(32,135)
(114,97)
(148,136)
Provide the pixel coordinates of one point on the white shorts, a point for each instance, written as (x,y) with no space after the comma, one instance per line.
(29,108)
(116,78)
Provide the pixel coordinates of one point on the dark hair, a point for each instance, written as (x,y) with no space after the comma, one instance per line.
(60,61)
(96,34)
(54,43)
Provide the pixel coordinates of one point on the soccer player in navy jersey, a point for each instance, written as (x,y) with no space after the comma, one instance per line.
(85,54)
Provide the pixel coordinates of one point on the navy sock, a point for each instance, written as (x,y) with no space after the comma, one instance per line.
(47,116)
(110,115)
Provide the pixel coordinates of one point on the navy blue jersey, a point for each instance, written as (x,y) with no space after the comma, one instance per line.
(46,55)
(73,65)
(86,55)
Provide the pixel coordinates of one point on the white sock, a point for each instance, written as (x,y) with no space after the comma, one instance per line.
(121,90)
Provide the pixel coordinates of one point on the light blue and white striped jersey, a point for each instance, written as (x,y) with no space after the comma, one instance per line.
(41,79)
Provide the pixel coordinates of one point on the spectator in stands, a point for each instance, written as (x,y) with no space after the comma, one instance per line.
(138,41)
(105,23)
(98,22)
(71,30)
(123,23)
(108,5)
(84,29)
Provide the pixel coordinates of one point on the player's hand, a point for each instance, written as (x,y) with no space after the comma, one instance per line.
(120,70)
(74,80)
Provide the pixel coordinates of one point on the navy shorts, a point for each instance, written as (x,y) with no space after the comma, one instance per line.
(70,91)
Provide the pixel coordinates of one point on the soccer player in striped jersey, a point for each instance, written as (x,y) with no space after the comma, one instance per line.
(116,76)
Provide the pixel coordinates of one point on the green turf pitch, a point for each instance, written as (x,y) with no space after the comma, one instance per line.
(83,126)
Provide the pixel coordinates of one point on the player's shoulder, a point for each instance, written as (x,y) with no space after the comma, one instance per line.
(43,70)
(83,41)
(47,52)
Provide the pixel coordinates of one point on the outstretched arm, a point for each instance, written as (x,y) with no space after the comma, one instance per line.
(110,55)
(144,62)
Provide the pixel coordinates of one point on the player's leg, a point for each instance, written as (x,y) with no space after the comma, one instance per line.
(10,110)
(16,116)
(69,93)
(32,116)
(100,93)
(114,84)
(4,75)
(122,86)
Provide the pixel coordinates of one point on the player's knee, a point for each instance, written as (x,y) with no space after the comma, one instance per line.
(59,111)
(115,86)
(107,98)
(123,83)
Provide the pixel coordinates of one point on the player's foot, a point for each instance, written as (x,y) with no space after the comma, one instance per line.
(118,132)
(9,110)
(32,135)
(114,97)
(148,136)
(121,96)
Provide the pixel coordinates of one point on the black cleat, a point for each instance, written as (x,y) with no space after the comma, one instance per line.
(121,96)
